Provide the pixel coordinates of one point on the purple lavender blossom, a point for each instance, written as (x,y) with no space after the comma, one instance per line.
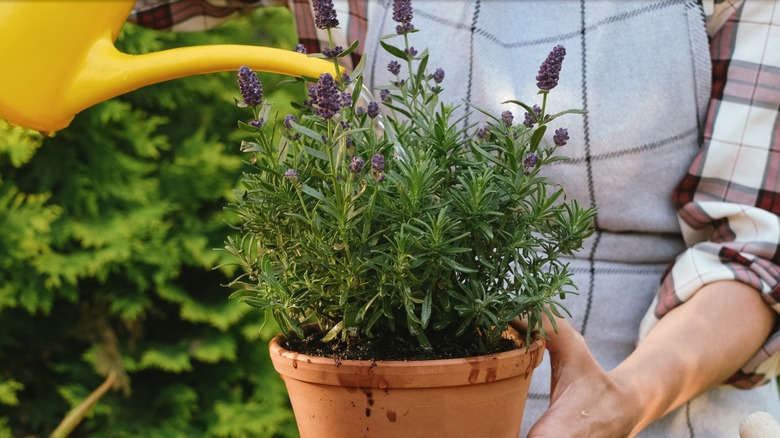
(529,120)
(258,123)
(402,11)
(507,118)
(550,69)
(438,75)
(345,79)
(300,48)
(346,99)
(482,133)
(324,14)
(250,87)
(373,109)
(403,14)
(531,160)
(378,163)
(411,52)
(394,67)
(325,97)
(561,136)
(378,167)
(291,175)
(360,110)
(384,95)
(288,121)
(356,165)
(404,28)
(332,53)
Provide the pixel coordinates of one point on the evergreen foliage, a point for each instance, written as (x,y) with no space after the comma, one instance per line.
(107,254)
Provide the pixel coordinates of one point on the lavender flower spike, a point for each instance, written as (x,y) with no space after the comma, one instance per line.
(373,109)
(402,14)
(258,123)
(250,87)
(324,14)
(356,165)
(438,75)
(291,175)
(288,119)
(507,118)
(561,136)
(530,120)
(325,96)
(550,69)
(378,163)
(394,67)
(531,160)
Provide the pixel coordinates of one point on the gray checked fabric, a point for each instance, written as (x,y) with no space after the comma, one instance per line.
(626,155)
(664,151)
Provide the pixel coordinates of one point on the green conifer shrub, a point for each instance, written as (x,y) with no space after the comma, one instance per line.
(106,261)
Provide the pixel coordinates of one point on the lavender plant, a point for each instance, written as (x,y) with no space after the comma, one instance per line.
(406,224)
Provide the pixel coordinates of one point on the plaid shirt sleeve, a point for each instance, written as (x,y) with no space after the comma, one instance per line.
(191,15)
(729,201)
(353,26)
(199,15)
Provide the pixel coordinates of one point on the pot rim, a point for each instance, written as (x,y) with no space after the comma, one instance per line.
(538,341)
(384,374)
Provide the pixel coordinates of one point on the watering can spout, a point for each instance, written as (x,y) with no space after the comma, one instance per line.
(58,58)
(109,72)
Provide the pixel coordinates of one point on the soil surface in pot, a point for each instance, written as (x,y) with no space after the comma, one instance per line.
(388,346)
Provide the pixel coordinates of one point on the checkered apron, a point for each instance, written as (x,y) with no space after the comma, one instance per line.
(642,70)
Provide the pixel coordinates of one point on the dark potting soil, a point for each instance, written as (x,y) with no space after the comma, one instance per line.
(391,347)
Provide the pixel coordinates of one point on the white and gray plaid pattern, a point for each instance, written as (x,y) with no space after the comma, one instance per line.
(642,69)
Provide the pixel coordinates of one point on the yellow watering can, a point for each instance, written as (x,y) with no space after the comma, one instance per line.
(59,58)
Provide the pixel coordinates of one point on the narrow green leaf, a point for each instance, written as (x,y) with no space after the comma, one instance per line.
(333,332)
(317,153)
(421,69)
(536,138)
(357,72)
(349,49)
(249,146)
(311,191)
(457,266)
(528,109)
(427,306)
(247,127)
(399,109)
(308,132)
(395,51)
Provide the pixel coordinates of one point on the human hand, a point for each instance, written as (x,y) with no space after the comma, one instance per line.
(585,400)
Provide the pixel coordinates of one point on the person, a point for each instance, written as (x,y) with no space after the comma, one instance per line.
(680,152)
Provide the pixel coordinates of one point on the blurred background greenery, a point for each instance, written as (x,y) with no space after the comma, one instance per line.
(109,231)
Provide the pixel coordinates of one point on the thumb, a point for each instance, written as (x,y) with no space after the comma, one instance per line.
(560,335)
(567,348)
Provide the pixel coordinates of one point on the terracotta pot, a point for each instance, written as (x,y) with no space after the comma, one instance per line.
(471,397)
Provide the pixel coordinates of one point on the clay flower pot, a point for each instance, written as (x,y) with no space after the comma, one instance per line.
(481,396)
